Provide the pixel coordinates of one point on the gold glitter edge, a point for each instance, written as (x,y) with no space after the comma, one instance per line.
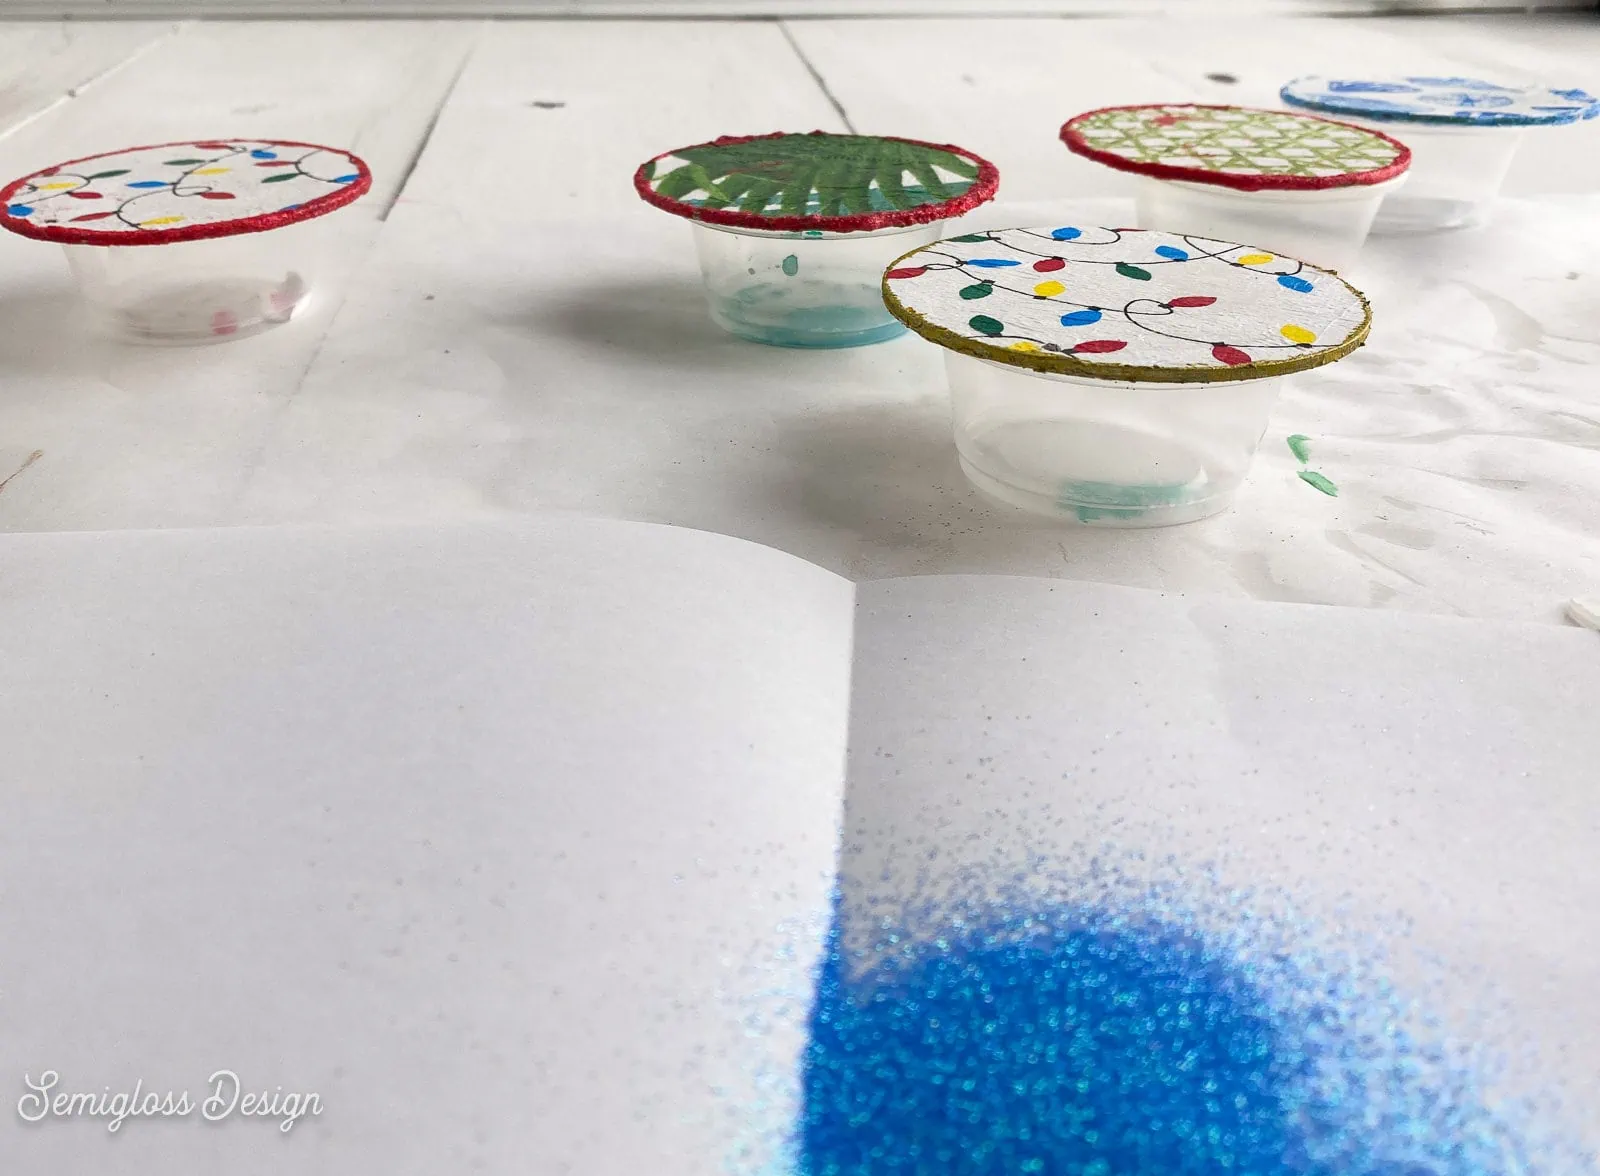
(1049,363)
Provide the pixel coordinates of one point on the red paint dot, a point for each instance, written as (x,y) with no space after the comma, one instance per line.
(1231,356)
(1049,265)
(1192,300)
(1101,346)
(915,271)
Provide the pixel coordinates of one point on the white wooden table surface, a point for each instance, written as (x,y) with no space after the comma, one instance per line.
(514,332)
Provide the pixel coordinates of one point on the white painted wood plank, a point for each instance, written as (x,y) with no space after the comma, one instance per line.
(165,436)
(1000,88)
(46,62)
(550,120)
(739,8)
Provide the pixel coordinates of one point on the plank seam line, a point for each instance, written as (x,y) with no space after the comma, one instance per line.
(77,89)
(433,124)
(816,76)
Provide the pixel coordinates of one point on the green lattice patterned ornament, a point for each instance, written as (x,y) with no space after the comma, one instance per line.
(1236,147)
(819,181)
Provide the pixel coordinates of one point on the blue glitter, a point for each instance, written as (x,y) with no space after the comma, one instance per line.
(1114,1037)
(1072,1053)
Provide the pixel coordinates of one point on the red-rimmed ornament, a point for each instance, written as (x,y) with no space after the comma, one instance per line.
(1130,384)
(166,239)
(1297,183)
(793,230)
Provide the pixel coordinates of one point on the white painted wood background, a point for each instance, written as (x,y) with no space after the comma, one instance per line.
(515,332)
(746,8)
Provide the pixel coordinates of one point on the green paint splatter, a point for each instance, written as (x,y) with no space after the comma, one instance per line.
(1312,478)
(1300,446)
(791,265)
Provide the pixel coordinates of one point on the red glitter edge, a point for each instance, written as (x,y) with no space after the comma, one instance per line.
(66,235)
(1073,138)
(983,189)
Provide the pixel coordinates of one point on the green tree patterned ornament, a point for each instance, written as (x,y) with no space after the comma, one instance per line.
(818,181)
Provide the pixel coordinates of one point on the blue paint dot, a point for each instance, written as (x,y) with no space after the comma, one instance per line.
(1298,284)
(1067,234)
(19,210)
(1173,252)
(990,262)
(1080,318)
(149,184)
(346,179)
(260,154)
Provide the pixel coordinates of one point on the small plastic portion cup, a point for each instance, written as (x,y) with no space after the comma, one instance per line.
(1325,226)
(1105,452)
(1117,377)
(1463,133)
(810,289)
(206,291)
(793,231)
(1455,176)
(198,241)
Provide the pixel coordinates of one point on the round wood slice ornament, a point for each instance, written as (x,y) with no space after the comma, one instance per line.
(1236,147)
(818,181)
(188,191)
(1441,101)
(1126,304)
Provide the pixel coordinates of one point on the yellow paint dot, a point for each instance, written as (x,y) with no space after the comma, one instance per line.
(210,171)
(1296,334)
(57,186)
(160,220)
(1024,346)
(1255,258)
(1049,289)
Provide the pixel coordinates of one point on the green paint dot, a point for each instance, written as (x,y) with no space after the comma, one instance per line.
(1133,271)
(1312,478)
(972,237)
(1300,446)
(985,325)
(980,290)
(791,265)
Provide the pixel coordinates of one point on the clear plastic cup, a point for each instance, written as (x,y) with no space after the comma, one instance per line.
(207,291)
(809,289)
(1105,452)
(1455,175)
(1324,226)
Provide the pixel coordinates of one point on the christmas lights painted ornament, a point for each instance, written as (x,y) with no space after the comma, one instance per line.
(1119,377)
(793,230)
(1297,183)
(170,244)
(1463,132)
